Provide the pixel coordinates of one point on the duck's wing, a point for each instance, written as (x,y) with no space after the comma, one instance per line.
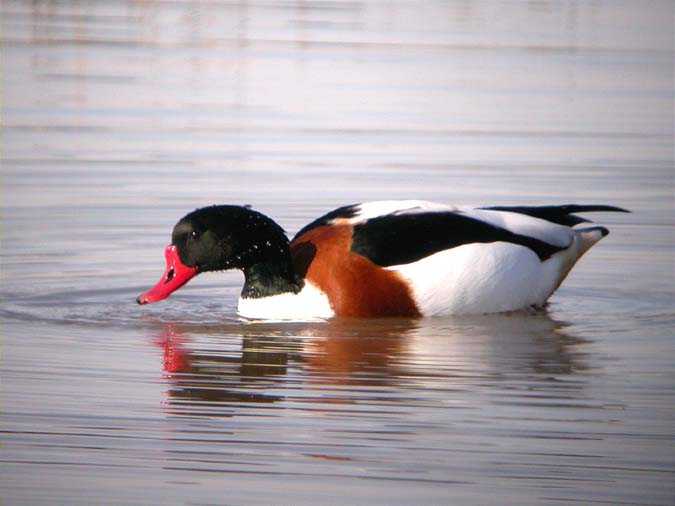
(408,235)
(400,232)
(395,232)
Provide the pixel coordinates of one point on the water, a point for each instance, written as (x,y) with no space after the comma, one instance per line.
(120,117)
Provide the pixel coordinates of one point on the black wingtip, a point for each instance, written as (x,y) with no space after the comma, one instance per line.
(603,231)
(617,209)
(574,208)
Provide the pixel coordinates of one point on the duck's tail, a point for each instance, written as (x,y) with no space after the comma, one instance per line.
(563,263)
(587,237)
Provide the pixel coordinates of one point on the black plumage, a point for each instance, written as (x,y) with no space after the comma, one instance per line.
(397,239)
(562,215)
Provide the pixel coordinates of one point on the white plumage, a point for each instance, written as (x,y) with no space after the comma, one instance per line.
(490,278)
(309,304)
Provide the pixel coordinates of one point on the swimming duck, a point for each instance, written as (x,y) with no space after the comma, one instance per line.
(386,258)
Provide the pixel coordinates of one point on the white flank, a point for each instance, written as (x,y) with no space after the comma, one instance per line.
(474,278)
(489,278)
(309,304)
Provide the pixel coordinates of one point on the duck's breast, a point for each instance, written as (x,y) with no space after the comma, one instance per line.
(354,285)
(309,304)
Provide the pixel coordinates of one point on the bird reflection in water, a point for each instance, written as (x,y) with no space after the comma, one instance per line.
(204,375)
(214,369)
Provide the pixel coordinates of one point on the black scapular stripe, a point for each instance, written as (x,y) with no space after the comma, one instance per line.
(405,238)
(341,212)
(562,215)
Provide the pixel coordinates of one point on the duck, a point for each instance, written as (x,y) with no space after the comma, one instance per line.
(406,258)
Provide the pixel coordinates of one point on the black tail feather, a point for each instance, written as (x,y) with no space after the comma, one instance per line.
(562,215)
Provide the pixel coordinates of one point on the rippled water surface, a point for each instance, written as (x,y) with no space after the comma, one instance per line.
(120,117)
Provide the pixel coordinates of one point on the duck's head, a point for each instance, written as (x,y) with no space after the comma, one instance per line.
(219,238)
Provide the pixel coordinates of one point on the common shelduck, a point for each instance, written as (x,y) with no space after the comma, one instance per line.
(386,258)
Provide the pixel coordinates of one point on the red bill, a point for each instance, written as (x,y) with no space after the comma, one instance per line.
(175,275)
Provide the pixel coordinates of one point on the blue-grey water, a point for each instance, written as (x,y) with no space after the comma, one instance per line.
(119,117)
